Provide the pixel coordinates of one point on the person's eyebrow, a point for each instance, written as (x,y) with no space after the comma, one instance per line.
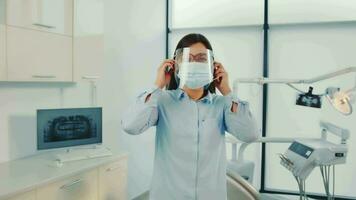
(199,54)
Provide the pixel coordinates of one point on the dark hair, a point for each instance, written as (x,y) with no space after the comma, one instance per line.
(188,41)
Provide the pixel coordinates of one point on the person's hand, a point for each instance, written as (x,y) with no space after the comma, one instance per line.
(164,73)
(221,79)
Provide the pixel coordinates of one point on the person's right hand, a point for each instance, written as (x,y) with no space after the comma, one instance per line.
(164,73)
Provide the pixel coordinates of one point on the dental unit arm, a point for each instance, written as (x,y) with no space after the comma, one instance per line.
(344,134)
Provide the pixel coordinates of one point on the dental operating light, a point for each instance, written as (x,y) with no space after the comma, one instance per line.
(341,100)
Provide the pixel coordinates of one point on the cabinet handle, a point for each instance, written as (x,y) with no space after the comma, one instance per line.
(90,77)
(43,25)
(63,187)
(43,76)
(112,169)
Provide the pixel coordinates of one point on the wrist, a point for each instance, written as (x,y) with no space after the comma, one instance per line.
(226,92)
(159,85)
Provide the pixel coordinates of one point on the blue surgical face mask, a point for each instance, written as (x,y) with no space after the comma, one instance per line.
(194,75)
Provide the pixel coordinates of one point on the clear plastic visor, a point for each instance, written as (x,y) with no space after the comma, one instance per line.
(194,67)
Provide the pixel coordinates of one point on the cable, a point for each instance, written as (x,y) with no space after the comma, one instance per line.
(329,181)
(323,174)
(292,86)
(333,182)
(300,188)
(305,191)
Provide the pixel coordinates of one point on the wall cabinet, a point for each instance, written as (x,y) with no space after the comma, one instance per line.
(2,52)
(51,41)
(2,41)
(88,38)
(43,15)
(38,56)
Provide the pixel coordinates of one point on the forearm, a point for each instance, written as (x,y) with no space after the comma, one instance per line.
(239,120)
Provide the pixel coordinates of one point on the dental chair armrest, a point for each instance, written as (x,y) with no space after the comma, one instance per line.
(233,140)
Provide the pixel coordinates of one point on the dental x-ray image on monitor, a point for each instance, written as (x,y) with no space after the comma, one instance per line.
(68,127)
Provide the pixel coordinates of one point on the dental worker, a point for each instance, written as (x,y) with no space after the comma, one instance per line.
(191,120)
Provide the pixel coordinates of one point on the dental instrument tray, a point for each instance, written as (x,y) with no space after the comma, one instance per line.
(304,155)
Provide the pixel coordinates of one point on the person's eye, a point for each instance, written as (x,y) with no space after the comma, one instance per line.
(202,59)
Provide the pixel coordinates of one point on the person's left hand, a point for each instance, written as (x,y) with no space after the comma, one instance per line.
(221,79)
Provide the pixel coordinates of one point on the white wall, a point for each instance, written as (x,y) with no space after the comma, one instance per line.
(135,39)
(134,47)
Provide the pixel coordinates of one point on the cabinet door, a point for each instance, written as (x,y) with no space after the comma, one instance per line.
(26,196)
(113,181)
(79,187)
(38,56)
(2,41)
(45,15)
(88,38)
(2,11)
(2,52)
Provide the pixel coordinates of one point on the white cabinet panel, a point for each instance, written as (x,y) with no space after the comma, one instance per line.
(26,196)
(38,56)
(305,11)
(80,187)
(88,38)
(201,13)
(2,11)
(2,41)
(112,181)
(2,52)
(45,15)
(88,52)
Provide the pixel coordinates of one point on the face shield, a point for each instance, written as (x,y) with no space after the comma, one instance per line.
(194,68)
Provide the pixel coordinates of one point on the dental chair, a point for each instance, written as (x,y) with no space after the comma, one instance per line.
(238,188)
(240,172)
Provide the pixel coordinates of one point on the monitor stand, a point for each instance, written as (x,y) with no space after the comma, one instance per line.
(96,146)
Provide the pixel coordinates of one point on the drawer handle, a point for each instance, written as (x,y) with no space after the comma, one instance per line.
(112,169)
(43,76)
(43,25)
(63,187)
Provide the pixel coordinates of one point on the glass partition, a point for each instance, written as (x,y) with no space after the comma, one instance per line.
(200,13)
(305,11)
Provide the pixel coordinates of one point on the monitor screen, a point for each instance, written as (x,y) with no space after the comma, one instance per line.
(66,127)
